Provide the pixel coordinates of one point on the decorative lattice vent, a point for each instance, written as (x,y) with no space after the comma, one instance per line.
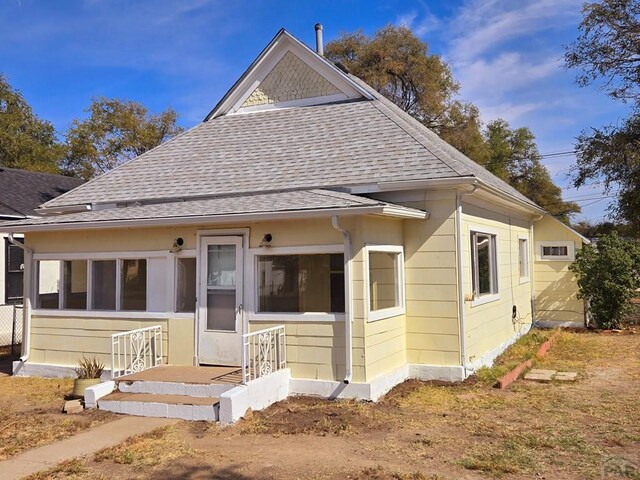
(290,79)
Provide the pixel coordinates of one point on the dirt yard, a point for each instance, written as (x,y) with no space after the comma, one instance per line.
(418,431)
(31,414)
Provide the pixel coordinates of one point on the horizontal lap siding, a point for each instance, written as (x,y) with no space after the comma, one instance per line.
(490,325)
(315,350)
(63,341)
(385,339)
(556,288)
(431,283)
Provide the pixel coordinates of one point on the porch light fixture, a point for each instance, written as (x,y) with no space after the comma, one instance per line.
(266,240)
(177,245)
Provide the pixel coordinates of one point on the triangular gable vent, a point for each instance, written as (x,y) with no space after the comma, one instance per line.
(288,74)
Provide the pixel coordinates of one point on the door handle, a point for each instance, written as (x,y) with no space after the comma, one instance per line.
(240,309)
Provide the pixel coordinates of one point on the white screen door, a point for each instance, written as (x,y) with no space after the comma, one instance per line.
(220,301)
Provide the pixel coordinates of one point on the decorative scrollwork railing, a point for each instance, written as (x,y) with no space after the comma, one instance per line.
(264,352)
(136,350)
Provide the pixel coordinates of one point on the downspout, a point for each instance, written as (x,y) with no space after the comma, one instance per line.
(348,334)
(463,340)
(26,309)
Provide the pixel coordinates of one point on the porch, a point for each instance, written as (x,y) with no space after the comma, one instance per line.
(141,385)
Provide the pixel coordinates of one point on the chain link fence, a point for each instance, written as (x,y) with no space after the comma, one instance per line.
(11,321)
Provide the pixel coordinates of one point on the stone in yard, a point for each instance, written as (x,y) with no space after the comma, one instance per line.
(566,376)
(538,375)
(73,406)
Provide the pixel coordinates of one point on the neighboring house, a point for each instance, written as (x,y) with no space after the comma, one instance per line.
(21,193)
(308,200)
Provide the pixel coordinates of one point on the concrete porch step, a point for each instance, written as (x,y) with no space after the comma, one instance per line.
(184,407)
(156,387)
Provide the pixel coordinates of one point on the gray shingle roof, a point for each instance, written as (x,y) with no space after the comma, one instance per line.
(320,146)
(329,146)
(273,202)
(23,191)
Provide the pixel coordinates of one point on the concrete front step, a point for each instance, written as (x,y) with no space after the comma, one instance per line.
(166,406)
(213,390)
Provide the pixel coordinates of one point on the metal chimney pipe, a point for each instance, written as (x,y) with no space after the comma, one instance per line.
(319,44)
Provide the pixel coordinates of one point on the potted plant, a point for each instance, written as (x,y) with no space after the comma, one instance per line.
(89,371)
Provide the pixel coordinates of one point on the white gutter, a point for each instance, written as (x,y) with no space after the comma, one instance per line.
(384,210)
(26,308)
(348,334)
(461,300)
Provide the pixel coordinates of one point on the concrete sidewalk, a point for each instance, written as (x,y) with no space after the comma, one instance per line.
(84,443)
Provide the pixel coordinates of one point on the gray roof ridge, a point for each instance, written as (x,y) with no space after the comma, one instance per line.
(472,167)
(53,202)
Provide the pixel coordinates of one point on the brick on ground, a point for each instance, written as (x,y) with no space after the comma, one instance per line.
(539,375)
(566,376)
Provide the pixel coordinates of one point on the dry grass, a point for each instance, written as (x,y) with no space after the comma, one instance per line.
(524,349)
(71,469)
(421,430)
(30,414)
(147,450)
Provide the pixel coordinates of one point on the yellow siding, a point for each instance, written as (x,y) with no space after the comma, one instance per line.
(490,325)
(64,340)
(385,339)
(556,289)
(431,283)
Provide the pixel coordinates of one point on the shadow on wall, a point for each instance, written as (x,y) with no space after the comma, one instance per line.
(559,298)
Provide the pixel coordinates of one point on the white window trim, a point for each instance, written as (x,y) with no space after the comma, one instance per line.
(527,277)
(118,256)
(252,281)
(375,315)
(490,297)
(571,251)
(124,314)
(172,273)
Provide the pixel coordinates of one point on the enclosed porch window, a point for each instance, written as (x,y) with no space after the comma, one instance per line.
(301,283)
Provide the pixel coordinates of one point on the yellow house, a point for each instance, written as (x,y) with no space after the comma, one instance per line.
(307,218)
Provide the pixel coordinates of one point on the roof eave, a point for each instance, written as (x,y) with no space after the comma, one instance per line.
(381,210)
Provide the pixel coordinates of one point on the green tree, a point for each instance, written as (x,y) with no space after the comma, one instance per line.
(513,156)
(398,65)
(608,50)
(115,132)
(608,277)
(595,230)
(26,141)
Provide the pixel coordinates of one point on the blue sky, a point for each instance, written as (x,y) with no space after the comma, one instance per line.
(507,55)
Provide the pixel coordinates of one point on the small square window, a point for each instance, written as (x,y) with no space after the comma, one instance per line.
(385,282)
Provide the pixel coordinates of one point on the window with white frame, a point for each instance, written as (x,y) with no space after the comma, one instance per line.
(556,250)
(114,284)
(385,281)
(484,265)
(300,283)
(523,258)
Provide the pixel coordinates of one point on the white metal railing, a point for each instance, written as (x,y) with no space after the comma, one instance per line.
(263,352)
(136,350)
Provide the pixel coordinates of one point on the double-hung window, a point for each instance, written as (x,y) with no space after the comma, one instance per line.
(484,266)
(523,259)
